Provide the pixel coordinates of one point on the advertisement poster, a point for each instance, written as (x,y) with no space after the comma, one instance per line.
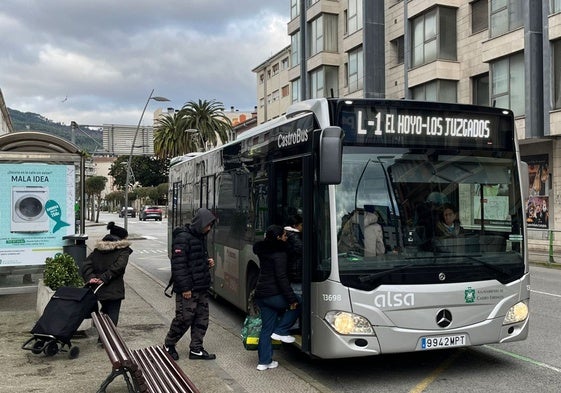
(537,205)
(38,210)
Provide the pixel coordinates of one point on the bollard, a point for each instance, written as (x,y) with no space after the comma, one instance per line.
(551,260)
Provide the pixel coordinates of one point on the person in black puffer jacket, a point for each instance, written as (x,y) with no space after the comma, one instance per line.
(106,265)
(190,273)
(274,295)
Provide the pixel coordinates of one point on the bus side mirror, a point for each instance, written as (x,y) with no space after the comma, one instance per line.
(330,155)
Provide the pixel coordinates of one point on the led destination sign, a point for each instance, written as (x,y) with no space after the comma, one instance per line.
(422,127)
(426,125)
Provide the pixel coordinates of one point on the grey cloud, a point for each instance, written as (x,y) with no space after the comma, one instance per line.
(106,56)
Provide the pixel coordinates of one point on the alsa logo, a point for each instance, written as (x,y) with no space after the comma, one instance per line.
(391,299)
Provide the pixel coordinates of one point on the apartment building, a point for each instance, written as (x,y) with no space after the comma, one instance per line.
(273,87)
(505,53)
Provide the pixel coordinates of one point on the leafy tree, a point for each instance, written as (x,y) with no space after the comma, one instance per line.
(146,171)
(162,190)
(94,186)
(207,117)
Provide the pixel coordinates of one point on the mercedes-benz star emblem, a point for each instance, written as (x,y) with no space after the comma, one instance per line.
(444,318)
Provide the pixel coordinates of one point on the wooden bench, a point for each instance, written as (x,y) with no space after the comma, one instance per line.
(149,369)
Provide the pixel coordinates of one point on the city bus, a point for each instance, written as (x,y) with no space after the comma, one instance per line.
(339,162)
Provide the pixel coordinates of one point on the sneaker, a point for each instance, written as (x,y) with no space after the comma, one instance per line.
(201,354)
(263,367)
(172,352)
(284,339)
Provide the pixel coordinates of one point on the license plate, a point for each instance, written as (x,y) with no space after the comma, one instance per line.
(435,342)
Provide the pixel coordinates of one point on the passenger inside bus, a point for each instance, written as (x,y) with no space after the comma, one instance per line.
(373,235)
(449,225)
(362,234)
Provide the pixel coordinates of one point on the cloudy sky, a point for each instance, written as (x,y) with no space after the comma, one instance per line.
(96,62)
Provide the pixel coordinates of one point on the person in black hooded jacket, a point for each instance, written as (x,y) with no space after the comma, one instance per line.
(191,278)
(106,265)
(274,295)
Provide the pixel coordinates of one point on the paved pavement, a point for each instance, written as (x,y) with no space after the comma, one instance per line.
(145,317)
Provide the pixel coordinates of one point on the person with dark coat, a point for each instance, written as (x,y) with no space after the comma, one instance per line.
(106,265)
(190,271)
(274,295)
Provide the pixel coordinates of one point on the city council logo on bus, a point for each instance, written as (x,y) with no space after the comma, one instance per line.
(469,295)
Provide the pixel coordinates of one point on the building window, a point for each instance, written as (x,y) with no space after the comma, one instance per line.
(438,90)
(261,78)
(354,16)
(434,36)
(554,6)
(480,85)
(356,70)
(261,102)
(295,49)
(275,96)
(507,83)
(323,34)
(398,50)
(323,82)
(275,68)
(284,91)
(556,69)
(506,15)
(316,84)
(284,63)
(294,8)
(295,90)
(479,16)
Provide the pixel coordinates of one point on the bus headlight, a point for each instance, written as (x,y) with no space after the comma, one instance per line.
(516,313)
(348,323)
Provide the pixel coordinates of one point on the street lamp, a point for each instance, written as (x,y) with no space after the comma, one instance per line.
(126,213)
(195,131)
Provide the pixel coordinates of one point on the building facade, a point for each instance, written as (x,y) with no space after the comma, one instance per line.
(505,53)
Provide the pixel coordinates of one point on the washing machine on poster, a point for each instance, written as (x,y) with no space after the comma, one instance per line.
(28,209)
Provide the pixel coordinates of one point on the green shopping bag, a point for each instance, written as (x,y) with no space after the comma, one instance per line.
(250,332)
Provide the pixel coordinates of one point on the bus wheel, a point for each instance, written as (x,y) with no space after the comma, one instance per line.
(252,276)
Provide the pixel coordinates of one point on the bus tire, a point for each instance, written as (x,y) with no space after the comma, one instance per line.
(252,275)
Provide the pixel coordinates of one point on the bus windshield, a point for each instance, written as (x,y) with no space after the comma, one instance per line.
(420,216)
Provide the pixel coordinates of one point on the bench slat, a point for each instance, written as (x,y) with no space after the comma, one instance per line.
(102,332)
(152,369)
(152,378)
(179,376)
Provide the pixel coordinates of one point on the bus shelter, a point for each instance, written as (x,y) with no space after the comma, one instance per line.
(42,204)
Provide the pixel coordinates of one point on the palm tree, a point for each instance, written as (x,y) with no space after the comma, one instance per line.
(170,138)
(208,118)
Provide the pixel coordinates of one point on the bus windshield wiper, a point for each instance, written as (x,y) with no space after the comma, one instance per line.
(488,265)
(373,276)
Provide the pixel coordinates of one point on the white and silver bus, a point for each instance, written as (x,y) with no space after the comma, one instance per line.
(335,162)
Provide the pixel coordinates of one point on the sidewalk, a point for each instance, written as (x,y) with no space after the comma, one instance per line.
(145,317)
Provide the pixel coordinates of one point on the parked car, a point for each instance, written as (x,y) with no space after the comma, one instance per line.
(150,213)
(131,212)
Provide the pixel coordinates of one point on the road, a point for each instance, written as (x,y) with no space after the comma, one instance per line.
(533,365)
